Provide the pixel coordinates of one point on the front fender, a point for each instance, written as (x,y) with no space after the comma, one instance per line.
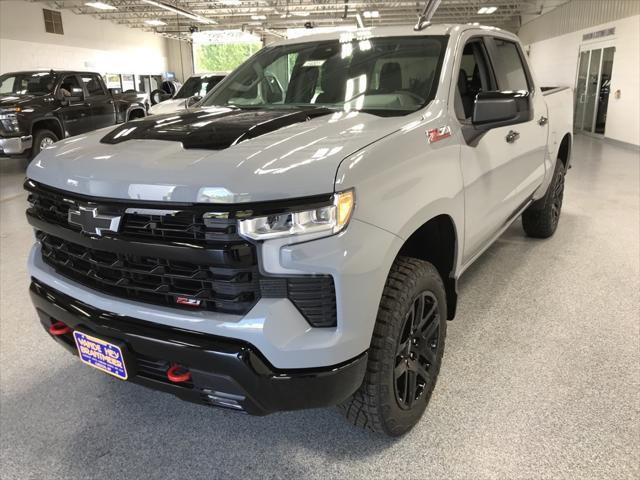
(403,181)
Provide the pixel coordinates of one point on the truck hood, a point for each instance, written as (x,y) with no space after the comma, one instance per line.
(21,100)
(229,156)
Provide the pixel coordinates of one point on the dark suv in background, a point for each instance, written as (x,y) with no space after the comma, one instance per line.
(38,108)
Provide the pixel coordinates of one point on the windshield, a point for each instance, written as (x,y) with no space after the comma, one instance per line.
(32,83)
(386,76)
(198,86)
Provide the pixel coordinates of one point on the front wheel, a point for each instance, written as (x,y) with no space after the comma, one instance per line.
(42,139)
(405,353)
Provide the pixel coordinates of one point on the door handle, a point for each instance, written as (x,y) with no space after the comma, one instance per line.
(512,136)
(543,121)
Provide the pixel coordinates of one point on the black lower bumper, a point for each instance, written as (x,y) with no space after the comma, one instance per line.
(224,372)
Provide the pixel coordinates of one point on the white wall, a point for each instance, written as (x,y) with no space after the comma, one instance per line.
(179,58)
(555,62)
(87,43)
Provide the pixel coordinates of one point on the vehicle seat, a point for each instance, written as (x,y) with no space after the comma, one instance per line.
(34,87)
(332,82)
(92,86)
(391,77)
(302,86)
(466,97)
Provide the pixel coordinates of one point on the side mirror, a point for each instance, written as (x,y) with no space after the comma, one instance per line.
(115,91)
(191,101)
(497,109)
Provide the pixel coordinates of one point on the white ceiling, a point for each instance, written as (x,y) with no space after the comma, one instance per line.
(273,16)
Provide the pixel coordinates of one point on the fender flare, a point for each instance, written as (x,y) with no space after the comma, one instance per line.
(45,118)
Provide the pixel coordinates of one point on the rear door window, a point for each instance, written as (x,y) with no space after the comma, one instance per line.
(93,85)
(509,66)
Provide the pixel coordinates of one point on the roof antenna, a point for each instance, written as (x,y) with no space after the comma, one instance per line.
(424,20)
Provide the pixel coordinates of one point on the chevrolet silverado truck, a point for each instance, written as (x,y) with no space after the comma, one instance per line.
(39,108)
(296,240)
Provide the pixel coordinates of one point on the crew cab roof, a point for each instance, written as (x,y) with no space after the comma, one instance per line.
(396,31)
(55,72)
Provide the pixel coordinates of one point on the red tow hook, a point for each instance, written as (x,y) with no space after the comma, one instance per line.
(178,374)
(58,328)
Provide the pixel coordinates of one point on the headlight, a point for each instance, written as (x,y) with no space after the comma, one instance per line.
(319,222)
(9,121)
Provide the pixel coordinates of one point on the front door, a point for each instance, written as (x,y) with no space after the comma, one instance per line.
(102,108)
(504,166)
(75,112)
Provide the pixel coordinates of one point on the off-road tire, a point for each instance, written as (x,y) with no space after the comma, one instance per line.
(376,404)
(541,219)
(40,137)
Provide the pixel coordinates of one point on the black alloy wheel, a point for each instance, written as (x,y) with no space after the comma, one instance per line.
(417,350)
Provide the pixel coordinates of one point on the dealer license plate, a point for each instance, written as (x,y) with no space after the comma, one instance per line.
(101,355)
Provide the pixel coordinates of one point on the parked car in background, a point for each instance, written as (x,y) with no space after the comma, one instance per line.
(39,108)
(193,90)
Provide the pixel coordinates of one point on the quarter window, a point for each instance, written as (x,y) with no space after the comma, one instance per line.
(510,67)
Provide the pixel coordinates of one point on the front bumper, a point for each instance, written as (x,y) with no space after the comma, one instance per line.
(15,145)
(225,372)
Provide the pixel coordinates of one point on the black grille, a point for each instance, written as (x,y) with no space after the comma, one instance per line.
(172,226)
(155,280)
(52,208)
(230,283)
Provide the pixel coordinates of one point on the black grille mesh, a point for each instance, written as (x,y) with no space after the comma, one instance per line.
(232,286)
(153,280)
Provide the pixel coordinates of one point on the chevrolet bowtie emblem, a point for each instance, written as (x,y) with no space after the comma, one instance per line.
(92,222)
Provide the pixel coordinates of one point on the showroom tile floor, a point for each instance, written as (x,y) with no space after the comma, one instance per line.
(540,379)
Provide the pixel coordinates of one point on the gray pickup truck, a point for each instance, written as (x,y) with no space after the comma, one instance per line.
(296,240)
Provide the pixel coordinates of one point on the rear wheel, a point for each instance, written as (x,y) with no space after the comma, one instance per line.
(42,139)
(406,351)
(541,219)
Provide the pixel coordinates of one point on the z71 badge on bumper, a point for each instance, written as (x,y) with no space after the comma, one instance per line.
(101,355)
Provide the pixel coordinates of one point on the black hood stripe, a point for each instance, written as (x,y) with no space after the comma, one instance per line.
(211,128)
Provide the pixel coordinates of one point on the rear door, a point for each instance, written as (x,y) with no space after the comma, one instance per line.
(103,111)
(75,113)
(503,166)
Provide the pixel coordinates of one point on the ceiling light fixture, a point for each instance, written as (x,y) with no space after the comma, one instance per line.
(258,17)
(155,23)
(179,11)
(487,10)
(100,6)
(372,14)
(230,3)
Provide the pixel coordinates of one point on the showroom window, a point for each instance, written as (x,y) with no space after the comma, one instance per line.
(52,21)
